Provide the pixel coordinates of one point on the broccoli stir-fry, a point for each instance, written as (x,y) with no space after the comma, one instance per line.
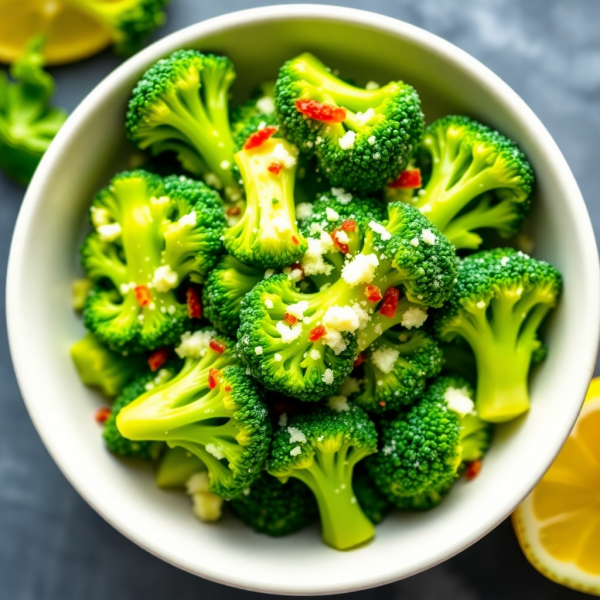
(288,331)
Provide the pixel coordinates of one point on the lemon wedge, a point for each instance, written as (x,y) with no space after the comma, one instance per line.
(71,35)
(558,524)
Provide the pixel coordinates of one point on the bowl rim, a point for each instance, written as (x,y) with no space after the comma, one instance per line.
(522,115)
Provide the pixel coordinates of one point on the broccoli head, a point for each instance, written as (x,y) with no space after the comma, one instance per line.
(254,114)
(175,468)
(224,290)
(304,345)
(373,503)
(424,500)
(475,179)
(181,105)
(102,368)
(114,440)
(321,448)
(210,408)
(151,236)
(395,369)
(362,138)
(267,234)
(275,508)
(130,22)
(499,301)
(27,121)
(421,450)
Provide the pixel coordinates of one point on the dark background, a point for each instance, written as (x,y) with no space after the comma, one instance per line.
(54,547)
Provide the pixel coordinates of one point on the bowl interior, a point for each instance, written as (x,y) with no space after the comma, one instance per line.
(44,261)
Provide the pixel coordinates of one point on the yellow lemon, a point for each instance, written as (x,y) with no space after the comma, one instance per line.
(71,35)
(558,524)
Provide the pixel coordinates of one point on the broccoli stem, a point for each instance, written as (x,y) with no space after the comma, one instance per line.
(503,349)
(379,324)
(344,525)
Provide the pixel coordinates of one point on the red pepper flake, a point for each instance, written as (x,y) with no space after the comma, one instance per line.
(259,137)
(319,111)
(381,403)
(390,302)
(213,378)
(102,414)
(228,388)
(349,225)
(317,333)
(217,346)
(194,308)
(473,469)
(158,358)
(275,168)
(359,360)
(373,293)
(407,180)
(342,247)
(142,295)
(290,319)
(295,240)
(233,211)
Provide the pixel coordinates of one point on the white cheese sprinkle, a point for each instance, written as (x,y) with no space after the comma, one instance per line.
(415,242)
(258,350)
(428,237)
(281,154)
(332,215)
(413,317)
(288,334)
(385,359)
(372,140)
(297,310)
(269,303)
(381,230)
(194,345)
(364,118)
(361,269)
(188,220)
(109,232)
(341,318)
(459,401)
(265,105)
(304,210)
(295,451)
(281,224)
(269,273)
(216,451)
(277,357)
(165,279)
(328,377)
(481,304)
(503,261)
(339,403)
(335,341)
(100,216)
(342,237)
(296,436)
(346,142)
(342,195)
(315,354)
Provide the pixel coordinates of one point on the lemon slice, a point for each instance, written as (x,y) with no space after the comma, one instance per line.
(71,35)
(558,524)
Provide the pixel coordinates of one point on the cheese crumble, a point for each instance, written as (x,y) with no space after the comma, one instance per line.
(413,317)
(459,401)
(360,270)
(165,279)
(346,142)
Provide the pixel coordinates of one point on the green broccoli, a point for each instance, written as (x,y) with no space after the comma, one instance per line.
(275,508)
(130,22)
(424,500)
(80,289)
(152,235)
(225,287)
(212,409)
(176,467)
(396,368)
(475,179)
(255,113)
(321,449)
(373,503)
(114,440)
(362,138)
(181,105)
(500,300)
(27,121)
(459,360)
(421,450)
(100,367)
(267,234)
(304,345)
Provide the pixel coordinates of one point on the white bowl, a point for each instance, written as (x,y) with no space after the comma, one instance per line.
(42,325)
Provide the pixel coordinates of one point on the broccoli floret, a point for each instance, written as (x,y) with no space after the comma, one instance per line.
(176,467)
(212,409)
(304,345)
(362,138)
(181,105)
(275,508)
(321,449)
(27,121)
(254,114)
(422,449)
(100,367)
(499,301)
(475,179)
(267,234)
(152,235)
(225,287)
(373,503)
(130,22)
(395,370)
(459,360)
(80,288)
(114,440)
(424,500)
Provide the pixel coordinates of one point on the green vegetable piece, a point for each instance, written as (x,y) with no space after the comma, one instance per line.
(80,289)
(499,302)
(374,141)
(100,367)
(175,468)
(321,448)
(373,503)
(275,508)
(27,121)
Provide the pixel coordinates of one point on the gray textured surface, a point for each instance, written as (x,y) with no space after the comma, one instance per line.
(54,547)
